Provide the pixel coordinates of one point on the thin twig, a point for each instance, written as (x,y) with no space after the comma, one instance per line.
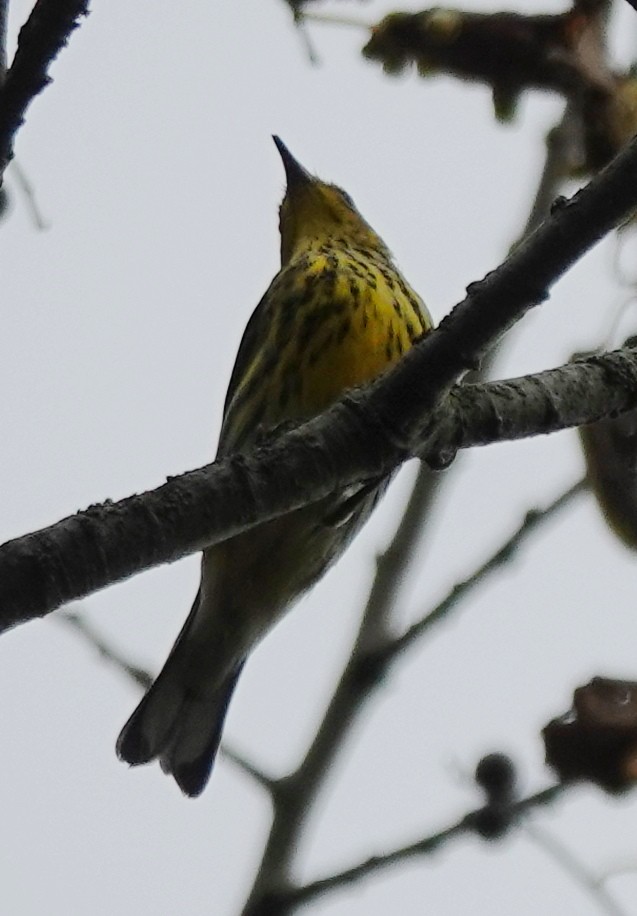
(286,901)
(393,564)
(573,867)
(299,22)
(329,19)
(269,783)
(308,44)
(531,522)
(80,625)
(629,867)
(563,149)
(28,192)
(561,146)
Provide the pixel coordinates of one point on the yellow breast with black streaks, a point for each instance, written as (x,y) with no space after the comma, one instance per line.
(337,317)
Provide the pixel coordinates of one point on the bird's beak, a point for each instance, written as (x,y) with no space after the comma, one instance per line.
(295,174)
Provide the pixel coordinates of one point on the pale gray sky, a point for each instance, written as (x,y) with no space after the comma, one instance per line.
(152,160)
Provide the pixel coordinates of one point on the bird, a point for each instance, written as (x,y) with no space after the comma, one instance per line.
(337,315)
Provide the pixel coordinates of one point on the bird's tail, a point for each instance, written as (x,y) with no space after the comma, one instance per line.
(180,719)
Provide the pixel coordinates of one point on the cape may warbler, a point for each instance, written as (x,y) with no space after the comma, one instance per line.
(337,314)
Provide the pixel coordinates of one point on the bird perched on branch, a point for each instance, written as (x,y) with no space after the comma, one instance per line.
(337,315)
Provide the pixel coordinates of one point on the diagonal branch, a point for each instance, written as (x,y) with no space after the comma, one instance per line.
(41,39)
(28,193)
(286,901)
(460,591)
(43,570)
(80,625)
(563,154)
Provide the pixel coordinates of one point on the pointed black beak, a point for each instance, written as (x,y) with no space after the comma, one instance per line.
(295,174)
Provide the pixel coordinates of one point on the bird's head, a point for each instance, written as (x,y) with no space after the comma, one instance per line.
(314,210)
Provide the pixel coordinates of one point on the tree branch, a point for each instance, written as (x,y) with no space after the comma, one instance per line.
(564,154)
(41,39)
(28,193)
(284,902)
(80,625)
(581,392)
(533,519)
(40,571)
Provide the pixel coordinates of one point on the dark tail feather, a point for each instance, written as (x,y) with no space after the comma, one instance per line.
(180,719)
(188,759)
(181,728)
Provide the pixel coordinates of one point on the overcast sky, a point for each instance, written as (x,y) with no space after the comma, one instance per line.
(152,161)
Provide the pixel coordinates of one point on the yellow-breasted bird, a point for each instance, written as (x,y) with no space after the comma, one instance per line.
(336,315)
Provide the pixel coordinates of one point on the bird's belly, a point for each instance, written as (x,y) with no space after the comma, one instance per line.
(252,579)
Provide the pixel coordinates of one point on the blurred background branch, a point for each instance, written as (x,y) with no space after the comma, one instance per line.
(42,37)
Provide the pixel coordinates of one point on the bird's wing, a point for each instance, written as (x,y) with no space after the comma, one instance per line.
(252,339)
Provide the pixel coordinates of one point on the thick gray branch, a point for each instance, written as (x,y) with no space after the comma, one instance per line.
(573,395)
(90,550)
